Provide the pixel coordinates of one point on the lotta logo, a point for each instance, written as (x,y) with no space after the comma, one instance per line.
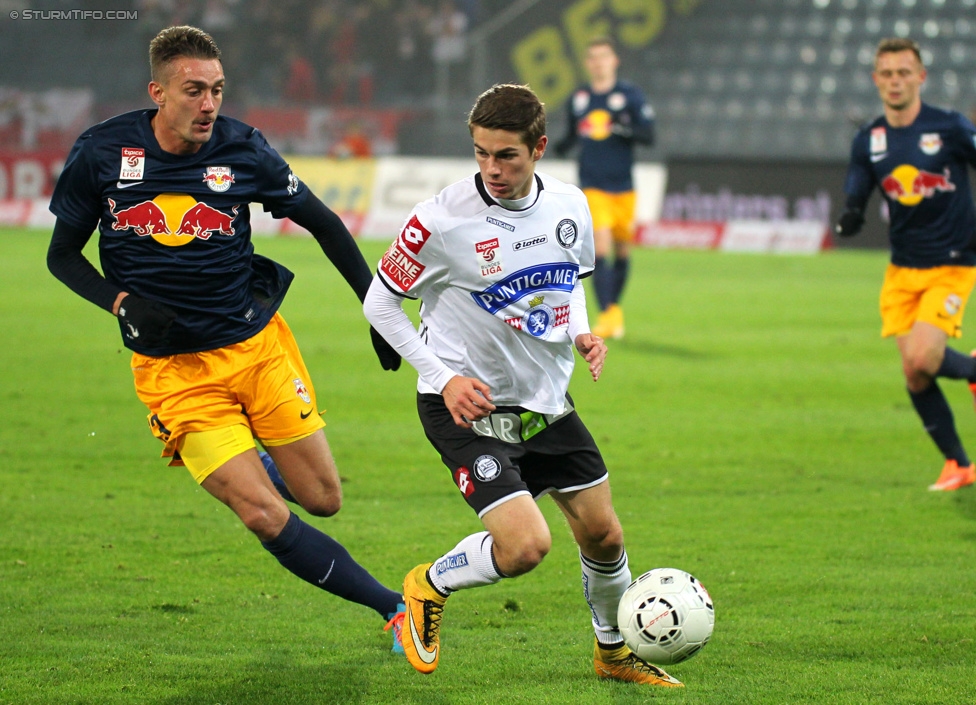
(218,178)
(302,391)
(462,478)
(487,468)
(953,304)
(909,185)
(414,235)
(153,218)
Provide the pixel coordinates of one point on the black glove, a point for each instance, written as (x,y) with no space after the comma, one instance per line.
(389,358)
(621,130)
(850,223)
(146,322)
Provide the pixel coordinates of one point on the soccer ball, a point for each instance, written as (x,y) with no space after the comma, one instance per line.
(666,616)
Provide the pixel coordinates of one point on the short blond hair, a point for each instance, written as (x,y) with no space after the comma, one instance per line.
(893,45)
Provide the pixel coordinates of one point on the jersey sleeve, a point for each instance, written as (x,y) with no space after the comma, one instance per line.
(278,189)
(642,118)
(965,133)
(563,146)
(588,250)
(76,198)
(416,260)
(860,178)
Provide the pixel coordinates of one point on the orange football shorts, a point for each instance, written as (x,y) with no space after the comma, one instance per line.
(937,296)
(260,383)
(613,210)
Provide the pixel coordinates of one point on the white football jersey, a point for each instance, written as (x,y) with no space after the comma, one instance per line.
(496,286)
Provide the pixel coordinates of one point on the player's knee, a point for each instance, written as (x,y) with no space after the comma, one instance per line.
(322,504)
(604,541)
(918,370)
(264,521)
(524,555)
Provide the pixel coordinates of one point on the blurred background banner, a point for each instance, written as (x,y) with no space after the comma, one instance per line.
(754,100)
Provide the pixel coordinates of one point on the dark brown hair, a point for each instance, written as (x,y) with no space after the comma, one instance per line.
(174,42)
(511,107)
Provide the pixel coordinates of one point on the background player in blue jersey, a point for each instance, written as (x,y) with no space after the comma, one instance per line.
(917,155)
(607,118)
(213,361)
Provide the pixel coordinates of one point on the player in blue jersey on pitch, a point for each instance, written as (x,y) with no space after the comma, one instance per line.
(607,118)
(213,360)
(917,155)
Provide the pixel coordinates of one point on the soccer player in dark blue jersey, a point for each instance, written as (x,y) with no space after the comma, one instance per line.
(918,157)
(607,118)
(213,360)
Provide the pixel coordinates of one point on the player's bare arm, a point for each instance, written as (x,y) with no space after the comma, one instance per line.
(592,348)
(468,399)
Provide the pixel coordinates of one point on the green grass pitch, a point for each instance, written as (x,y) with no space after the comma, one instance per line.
(758,436)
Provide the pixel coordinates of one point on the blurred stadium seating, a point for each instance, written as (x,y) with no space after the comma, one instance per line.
(728,78)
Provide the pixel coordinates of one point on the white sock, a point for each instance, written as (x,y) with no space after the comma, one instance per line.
(467,565)
(603,586)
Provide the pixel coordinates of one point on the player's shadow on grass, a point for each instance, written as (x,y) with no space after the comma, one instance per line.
(267,682)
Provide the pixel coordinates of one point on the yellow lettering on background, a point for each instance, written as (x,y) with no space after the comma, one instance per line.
(541,62)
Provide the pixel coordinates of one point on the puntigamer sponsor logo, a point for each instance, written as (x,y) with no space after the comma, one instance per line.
(458,560)
(541,277)
(530,242)
(501,224)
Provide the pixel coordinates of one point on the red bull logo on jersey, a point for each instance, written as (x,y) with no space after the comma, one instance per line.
(596,125)
(218,178)
(173,219)
(302,391)
(910,186)
(144,218)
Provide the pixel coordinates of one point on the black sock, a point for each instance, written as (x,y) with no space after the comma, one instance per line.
(323,562)
(621,268)
(602,283)
(955,365)
(936,415)
(276,479)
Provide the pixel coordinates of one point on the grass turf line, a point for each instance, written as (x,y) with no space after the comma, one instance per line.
(757,432)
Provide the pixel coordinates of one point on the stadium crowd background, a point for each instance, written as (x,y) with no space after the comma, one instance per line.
(787,78)
(746,91)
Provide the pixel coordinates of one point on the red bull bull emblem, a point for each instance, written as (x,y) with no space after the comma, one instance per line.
(202,221)
(218,178)
(909,186)
(145,218)
(152,218)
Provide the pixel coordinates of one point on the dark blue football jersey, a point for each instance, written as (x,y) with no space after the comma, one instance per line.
(176,228)
(921,171)
(606,158)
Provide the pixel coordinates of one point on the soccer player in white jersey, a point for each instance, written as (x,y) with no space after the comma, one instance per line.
(497,260)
